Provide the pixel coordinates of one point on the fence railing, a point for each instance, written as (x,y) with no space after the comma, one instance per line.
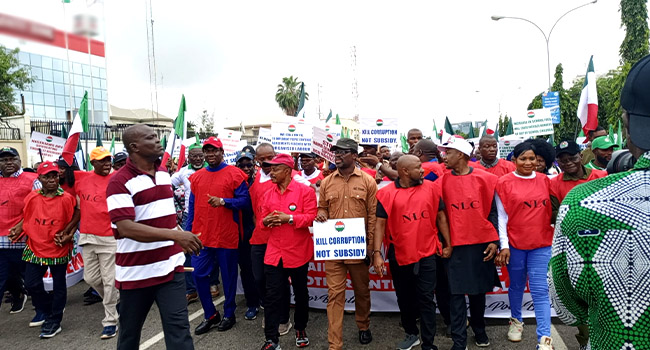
(9,133)
(106,132)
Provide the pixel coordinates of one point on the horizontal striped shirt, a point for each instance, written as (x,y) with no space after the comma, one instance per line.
(148,200)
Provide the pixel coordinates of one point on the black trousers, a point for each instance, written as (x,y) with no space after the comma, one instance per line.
(277,281)
(257,264)
(442,289)
(246,273)
(414,286)
(51,305)
(171,301)
(12,272)
(459,318)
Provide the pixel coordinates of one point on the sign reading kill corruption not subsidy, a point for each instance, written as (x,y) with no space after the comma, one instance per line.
(338,239)
(534,123)
(379,131)
(322,141)
(291,137)
(51,147)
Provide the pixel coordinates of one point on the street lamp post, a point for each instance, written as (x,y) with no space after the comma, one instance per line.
(547,38)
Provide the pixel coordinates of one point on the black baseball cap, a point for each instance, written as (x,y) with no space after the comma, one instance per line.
(346,144)
(634,100)
(8,151)
(567,146)
(308,155)
(241,155)
(119,156)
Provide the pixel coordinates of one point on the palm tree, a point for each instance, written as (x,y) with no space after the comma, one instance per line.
(288,95)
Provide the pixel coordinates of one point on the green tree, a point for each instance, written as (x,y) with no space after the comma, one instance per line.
(206,122)
(634,17)
(13,77)
(288,95)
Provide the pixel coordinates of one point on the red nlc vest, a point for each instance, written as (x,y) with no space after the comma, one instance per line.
(468,201)
(216,225)
(13,191)
(528,205)
(412,214)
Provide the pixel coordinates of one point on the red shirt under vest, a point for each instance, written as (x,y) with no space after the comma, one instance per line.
(412,215)
(560,187)
(13,191)
(217,226)
(432,170)
(468,201)
(528,205)
(502,168)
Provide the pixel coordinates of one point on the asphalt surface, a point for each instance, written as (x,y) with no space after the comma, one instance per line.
(82,327)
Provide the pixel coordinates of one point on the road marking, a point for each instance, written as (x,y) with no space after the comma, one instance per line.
(160,336)
(558,343)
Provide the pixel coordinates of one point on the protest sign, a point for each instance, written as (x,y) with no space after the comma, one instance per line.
(379,131)
(551,100)
(338,239)
(533,123)
(291,137)
(264,136)
(507,144)
(333,129)
(322,141)
(51,147)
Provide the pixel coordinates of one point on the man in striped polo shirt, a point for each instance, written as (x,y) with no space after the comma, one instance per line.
(149,258)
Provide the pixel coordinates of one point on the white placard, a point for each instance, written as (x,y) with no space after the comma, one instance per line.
(333,129)
(291,137)
(231,157)
(51,146)
(340,239)
(230,140)
(322,142)
(507,144)
(264,136)
(379,131)
(534,123)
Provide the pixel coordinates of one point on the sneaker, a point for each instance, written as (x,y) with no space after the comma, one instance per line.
(270,345)
(301,339)
(192,297)
(409,341)
(284,328)
(482,340)
(109,332)
(50,331)
(38,320)
(18,305)
(545,343)
(515,330)
(251,313)
(214,290)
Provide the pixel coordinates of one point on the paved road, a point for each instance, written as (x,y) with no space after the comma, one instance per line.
(82,327)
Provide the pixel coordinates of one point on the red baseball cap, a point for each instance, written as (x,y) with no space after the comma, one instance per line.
(281,158)
(47,167)
(213,141)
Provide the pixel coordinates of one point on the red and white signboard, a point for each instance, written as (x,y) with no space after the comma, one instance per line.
(322,141)
(51,147)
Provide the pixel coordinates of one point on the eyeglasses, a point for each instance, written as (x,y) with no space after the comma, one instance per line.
(196,156)
(341,152)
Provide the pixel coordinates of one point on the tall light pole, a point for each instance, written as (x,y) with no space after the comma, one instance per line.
(546,37)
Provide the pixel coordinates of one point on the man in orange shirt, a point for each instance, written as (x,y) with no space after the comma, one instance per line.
(96,236)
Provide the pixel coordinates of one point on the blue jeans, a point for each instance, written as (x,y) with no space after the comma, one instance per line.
(204,268)
(534,265)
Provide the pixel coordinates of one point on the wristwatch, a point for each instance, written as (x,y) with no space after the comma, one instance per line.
(221,201)
(290,219)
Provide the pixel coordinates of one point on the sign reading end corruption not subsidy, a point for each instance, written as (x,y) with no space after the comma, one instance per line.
(340,239)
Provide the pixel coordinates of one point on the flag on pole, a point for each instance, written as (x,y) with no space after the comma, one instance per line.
(510,129)
(179,123)
(435,129)
(405,144)
(301,101)
(470,134)
(588,105)
(329,116)
(112,150)
(448,129)
(79,125)
(619,136)
(338,120)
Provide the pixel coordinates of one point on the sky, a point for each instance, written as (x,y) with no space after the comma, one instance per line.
(418,61)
